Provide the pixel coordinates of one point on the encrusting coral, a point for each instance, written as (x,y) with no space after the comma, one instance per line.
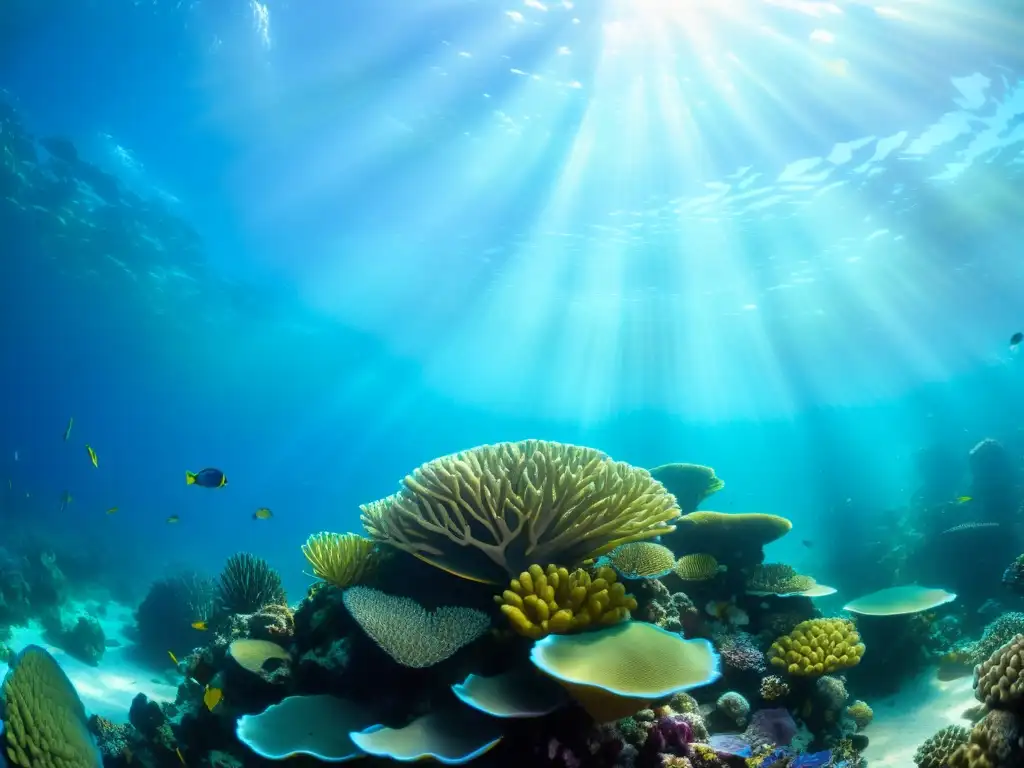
(541,602)
(487,513)
(340,559)
(45,725)
(817,647)
(408,633)
(936,751)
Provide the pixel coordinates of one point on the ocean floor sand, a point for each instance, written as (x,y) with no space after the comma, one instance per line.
(108,689)
(903,721)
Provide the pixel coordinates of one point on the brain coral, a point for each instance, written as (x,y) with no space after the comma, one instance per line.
(641,560)
(341,559)
(817,647)
(44,721)
(541,602)
(935,752)
(490,512)
(407,633)
(998,681)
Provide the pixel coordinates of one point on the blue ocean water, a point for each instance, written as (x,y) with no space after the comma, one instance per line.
(778,238)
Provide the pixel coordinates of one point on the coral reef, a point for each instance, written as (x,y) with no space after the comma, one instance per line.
(816,647)
(540,602)
(640,560)
(247,584)
(340,559)
(478,513)
(164,619)
(936,751)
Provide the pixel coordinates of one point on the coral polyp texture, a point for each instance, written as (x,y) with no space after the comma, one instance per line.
(488,513)
(554,601)
(777,579)
(817,647)
(861,714)
(410,635)
(995,742)
(936,751)
(723,534)
(773,687)
(999,680)
(689,483)
(340,559)
(44,721)
(641,560)
(696,567)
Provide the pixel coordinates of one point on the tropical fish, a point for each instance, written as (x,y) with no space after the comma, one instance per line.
(200,625)
(178,753)
(112,510)
(207,478)
(173,658)
(173,519)
(212,697)
(67,432)
(1015,341)
(262,514)
(963,499)
(92,456)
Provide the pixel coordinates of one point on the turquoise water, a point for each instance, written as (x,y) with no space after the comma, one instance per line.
(316,244)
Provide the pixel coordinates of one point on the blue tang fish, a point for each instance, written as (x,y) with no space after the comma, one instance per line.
(207,478)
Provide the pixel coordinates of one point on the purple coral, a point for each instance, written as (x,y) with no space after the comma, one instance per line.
(670,735)
(739,651)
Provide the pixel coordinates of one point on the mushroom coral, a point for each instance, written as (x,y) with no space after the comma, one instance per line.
(488,513)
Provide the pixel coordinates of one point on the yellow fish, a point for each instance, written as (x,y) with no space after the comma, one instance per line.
(92,456)
(262,514)
(173,658)
(67,432)
(200,625)
(178,753)
(212,697)
(112,510)
(173,519)
(963,499)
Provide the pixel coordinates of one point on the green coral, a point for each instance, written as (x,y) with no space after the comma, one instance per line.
(340,559)
(44,721)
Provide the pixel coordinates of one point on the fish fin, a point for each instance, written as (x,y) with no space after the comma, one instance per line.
(223,480)
(190,478)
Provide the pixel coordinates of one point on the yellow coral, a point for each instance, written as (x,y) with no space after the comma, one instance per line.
(258,656)
(817,647)
(697,567)
(44,720)
(341,559)
(555,601)
(861,714)
(641,560)
(487,513)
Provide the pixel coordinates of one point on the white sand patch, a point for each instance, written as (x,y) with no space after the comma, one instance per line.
(905,720)
(108,689)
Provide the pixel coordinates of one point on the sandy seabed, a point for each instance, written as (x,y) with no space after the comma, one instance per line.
(108,689)
(905,720)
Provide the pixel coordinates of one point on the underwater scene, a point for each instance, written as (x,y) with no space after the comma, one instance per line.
(526,383)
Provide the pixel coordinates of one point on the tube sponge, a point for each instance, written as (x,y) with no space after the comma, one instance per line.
(541,602)
(487,513)
(44,720)
(817,647)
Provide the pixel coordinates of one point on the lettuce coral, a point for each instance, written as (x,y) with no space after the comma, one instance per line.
(817,647)
(541,602)
(45,725)
(487,513)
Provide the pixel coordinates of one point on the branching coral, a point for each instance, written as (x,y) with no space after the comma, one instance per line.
(541,602)
(407,633)
(817,647)
(340,559)
(44,721)
(248,583)
(777,579)
(488,513)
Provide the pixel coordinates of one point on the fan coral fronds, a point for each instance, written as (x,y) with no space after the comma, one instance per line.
(408,633)
(541,602)
(490,512)
(247,584)
(340,559)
